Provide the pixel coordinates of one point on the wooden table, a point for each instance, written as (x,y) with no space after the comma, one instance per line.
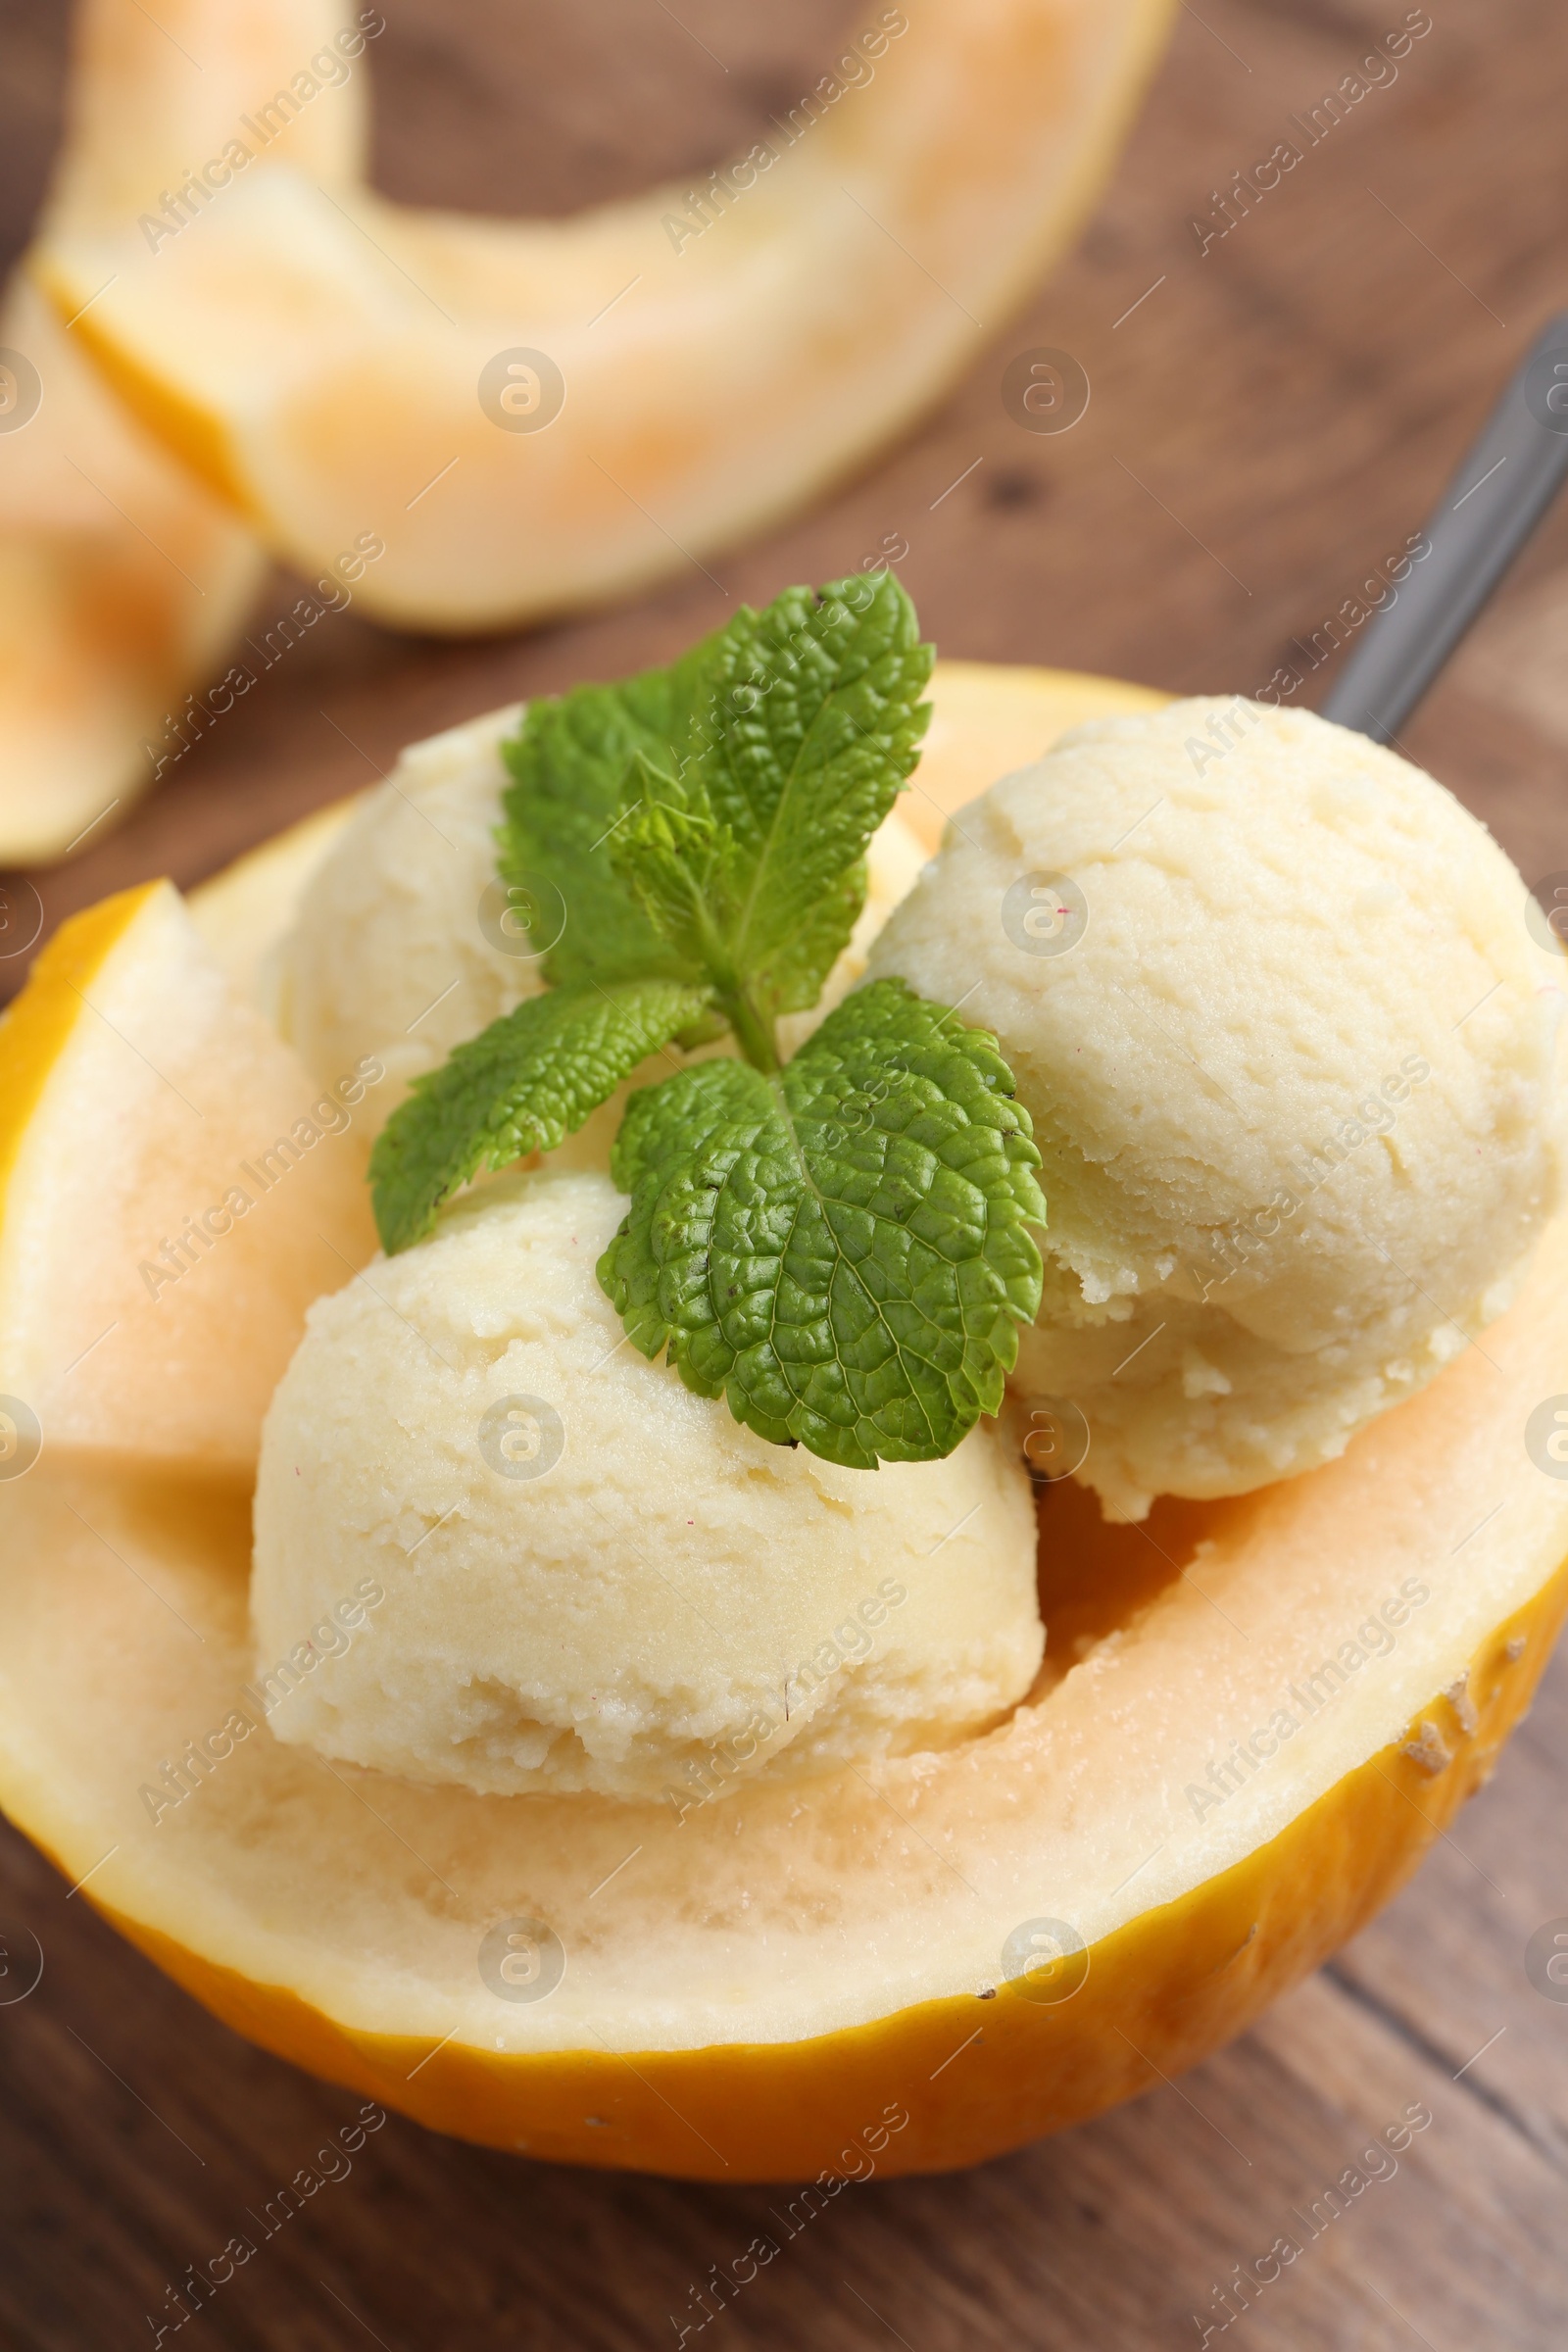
(1269,420)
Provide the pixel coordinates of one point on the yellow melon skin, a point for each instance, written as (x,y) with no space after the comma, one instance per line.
(1161,1994)
(339,365)
(275,1899)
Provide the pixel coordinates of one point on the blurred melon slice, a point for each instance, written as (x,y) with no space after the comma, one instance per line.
(123,580)
(156,93)
(337,365)
(174,1190)
(122,584)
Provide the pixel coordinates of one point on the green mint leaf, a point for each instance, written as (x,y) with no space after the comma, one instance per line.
(521,1086)
(569,765)
(663,1121)
(793,730)
(823,720)
(677,862)
(841,1251)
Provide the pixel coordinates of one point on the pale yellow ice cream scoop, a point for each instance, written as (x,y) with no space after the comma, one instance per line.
(406,941)
(592,1579)
(1290,1051)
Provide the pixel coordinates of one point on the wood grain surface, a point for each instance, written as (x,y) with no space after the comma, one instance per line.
(1268,421)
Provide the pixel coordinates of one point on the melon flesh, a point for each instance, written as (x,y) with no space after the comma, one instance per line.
(793,1911)
(157,1101)
(140,121)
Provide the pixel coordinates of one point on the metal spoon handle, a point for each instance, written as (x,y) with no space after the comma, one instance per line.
(1507,480)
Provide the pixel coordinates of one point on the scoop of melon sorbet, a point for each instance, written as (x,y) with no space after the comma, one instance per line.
(404,943)
(1291,1054)
(592,1579)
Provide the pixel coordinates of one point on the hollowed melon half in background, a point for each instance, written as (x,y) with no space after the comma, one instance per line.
(535,414)
(124,578)
(1252,1718)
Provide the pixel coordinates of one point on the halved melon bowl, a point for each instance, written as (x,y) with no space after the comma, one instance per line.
(1252,1718)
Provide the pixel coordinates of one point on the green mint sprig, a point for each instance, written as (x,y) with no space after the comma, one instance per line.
(839,1245)
(788,732)
(841,1251)
(522,1085)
